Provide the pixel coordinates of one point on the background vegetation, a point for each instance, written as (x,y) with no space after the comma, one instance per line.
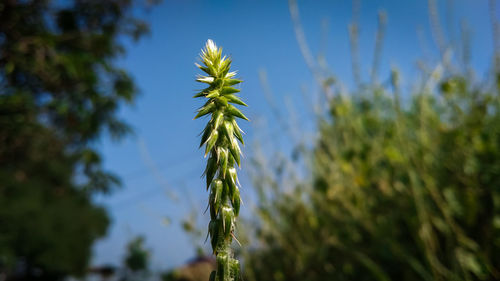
(60,89)
(396,193)
(399,186)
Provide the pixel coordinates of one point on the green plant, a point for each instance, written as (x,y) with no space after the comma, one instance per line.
(401,185)
(393,195)
(137,258)
(220,137)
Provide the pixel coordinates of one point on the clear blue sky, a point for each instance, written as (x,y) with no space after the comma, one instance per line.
(163,157)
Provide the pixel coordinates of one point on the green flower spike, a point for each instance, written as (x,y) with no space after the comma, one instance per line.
(220,137)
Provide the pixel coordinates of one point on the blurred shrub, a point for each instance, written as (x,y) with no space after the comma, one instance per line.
(399,189)
(398,193)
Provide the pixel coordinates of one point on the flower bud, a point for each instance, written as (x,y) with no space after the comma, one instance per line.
(235,150)
(211,141)
(210,170)
(227,216)
(236,201)
(236,112)
(228,90)
(235,99)
(206,109)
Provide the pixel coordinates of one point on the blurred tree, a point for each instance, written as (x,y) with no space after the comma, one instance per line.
(59,91)
(137,256)
(136,261)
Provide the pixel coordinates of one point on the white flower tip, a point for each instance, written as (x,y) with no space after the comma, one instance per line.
(211,47)
(205,79)
(231,74)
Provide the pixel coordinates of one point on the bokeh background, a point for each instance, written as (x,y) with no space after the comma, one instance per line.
(373,151)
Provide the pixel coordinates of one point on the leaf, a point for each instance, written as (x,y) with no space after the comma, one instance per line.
(228,130)
(211,141)
(200,94)
(233,177)
(203,92)
(228,90)
(206,69)
(238,135)
(219,117)
(206,109)
(236,112)
(216,190)
(235,150)
(227,216)
(236,201)
(221,101)
(225,66)
(234,99)
(215,236)
(212,94)
(223,161)
(210,169)
(231,82)
(206,133)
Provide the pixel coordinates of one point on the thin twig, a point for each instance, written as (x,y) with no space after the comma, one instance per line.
(379,42)
(495,28)
(304,48)
(354,42)
(436,30)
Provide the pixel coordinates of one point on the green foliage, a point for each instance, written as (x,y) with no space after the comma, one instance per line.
(137,258)
(60,89)
(398,188)
(48,223)
(220,137)
(397,193)
(60,58)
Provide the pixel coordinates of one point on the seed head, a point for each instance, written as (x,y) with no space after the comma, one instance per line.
(220,137)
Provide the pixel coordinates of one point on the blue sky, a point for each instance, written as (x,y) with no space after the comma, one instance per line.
(161,161)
